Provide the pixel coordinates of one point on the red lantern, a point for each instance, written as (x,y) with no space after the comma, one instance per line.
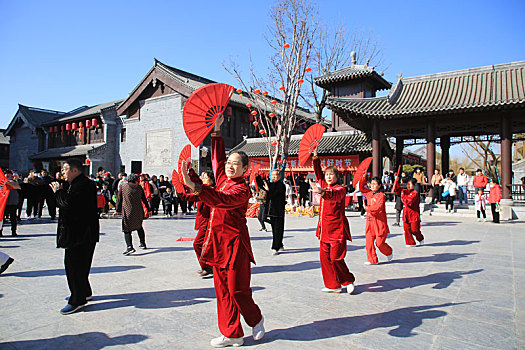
(68,127)
(257,91)
(50,129)
(74,126)
(229,111)
(305,126)
(308,69)
(262,132)
(88,123)
(282,88)
(271,115)
(238,91)
(55,128)
(248,105)
(255,123)
(87,161)
(265,93)
(80,125)
(94,122)
(273,102)
(300,81)
(253,112)
(80,136)
(286,46)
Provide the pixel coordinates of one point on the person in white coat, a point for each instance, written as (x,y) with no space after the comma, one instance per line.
(449,193)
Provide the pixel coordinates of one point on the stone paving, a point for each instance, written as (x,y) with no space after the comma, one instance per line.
(463,290)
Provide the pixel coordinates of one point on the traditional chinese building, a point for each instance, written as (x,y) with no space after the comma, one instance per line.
(4,150)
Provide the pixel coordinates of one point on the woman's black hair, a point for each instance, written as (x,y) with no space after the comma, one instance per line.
(133,178)
(210,176)
(378,180)
(414,181)
(494,180)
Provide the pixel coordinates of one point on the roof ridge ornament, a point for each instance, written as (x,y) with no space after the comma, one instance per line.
(394,93)
(353,57)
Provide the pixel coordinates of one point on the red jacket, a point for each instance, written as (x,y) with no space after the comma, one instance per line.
(101,201)
(227,230)
(376,222)
(410,199)
(333,225)
(495,194)
(480,181)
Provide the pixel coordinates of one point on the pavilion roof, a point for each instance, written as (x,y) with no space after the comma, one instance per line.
(484,88)
(350,73)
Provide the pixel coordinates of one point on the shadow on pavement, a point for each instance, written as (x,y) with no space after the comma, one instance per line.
(440,280)
(305,265)
(441,223)
(90,340)
(62,272)
(454,242)
(405,320)
(155,300)
(443,257)
(161,250)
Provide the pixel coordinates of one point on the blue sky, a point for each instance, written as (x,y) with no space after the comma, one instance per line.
(65,54)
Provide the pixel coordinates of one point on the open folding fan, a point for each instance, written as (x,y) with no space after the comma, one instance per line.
(175,180)
(4,192)
(309,142)
(203,107)
(184,157)
(254,172)
(360,173)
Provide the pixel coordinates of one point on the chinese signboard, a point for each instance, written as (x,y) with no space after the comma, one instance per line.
(343,163)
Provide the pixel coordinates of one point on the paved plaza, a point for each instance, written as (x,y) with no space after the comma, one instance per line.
(463,290)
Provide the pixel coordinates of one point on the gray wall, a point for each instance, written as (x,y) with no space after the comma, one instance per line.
(22,146)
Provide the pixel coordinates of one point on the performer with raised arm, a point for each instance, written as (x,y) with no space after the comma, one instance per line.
(201,220)
(333,229)
(376,224)
(411,217)
(227,244)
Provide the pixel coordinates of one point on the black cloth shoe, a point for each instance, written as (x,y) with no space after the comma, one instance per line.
(129,251)
(142,246)
(6,264)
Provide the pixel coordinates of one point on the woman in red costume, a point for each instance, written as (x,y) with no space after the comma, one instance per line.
(332,230)
(376,223)
(144,183)
(227,243)
(201,220)
(411,217)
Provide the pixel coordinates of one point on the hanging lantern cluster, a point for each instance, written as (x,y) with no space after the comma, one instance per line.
(90,123)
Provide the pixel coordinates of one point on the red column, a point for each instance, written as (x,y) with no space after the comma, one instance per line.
(376,149)
(431,150)
(506,156)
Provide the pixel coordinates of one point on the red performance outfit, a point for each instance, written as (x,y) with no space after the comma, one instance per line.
(227,245)
(201,220)
(376,224)
(333,231)
(411,217)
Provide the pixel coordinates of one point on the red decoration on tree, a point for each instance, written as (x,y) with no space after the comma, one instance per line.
(253,112)
(202,108)
(255,123)
(248,105)
(265,93)
(68,127)
(282,88)
(286,46)
(88,123)
(300,81)
(274,143)
(262,131)
(273,102)
(308,69)
(271,115)
(239,91)
(257,91)
(309,142)
(184,157)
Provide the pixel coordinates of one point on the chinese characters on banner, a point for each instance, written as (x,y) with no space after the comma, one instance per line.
(343,163)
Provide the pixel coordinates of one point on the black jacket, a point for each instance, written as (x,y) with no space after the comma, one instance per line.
(276,198)
(78,216)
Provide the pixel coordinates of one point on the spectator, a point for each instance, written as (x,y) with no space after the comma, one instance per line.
(47,195)
(155,195)
(494,199)
(387,185)
(34,196)
(480,181)
(462,186)
(481,202)
(12,202)
(452,176)
(304,192)
(419,176)
(449,192)
(276,200)
(167,202)
(435,182)
(261,199)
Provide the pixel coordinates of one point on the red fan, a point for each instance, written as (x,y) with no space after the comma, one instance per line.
(204,105)
(184,157)
(309,142)
(4,192)
(255,170)
(360,173)
(175,180)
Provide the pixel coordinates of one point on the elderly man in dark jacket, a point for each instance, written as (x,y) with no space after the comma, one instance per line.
(276,205)
(78,231)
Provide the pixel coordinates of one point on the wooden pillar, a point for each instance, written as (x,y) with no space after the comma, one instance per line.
(431,151)
(445,158)
(399,152)
(506,156)
(376,149)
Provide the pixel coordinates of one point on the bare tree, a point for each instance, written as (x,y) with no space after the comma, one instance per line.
(482,154)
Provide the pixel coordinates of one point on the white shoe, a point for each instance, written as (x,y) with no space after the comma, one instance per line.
(421,242)
(275,252)
(258,331)
(222,341)
(410,246)
(390,257)
(484,220)
(281,249)
(328,290)
(350,288)
(479,219)
(368,263)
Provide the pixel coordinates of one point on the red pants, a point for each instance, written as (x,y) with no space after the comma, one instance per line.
(234,296)
(383,247)
(333,266)
(197,246)
(412,228)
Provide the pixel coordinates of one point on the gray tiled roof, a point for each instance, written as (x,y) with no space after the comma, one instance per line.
(4,140)
(84,112)
(332,143)
(350,73)
(70,151)
(489,87)
(38,116)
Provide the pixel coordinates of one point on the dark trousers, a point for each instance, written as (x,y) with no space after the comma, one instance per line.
(10,212)
(155,202)
(77,261)
(129,240)
(183,206)
(495,214)
(262,215)
(360,200)
(32,206)
(19,207)
(449,201)
(277,223)
(51,206)
(482,211)
(302,200)
(436,194)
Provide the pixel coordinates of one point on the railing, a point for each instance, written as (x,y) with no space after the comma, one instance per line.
(518,192)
